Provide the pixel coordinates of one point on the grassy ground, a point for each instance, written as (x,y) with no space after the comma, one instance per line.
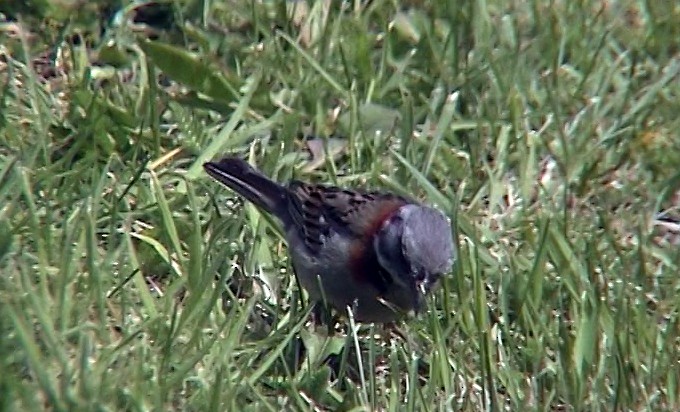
(547,129)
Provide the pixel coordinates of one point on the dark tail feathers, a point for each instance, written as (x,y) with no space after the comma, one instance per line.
(243,179)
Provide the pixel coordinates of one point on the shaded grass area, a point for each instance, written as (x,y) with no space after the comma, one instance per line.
(547,130)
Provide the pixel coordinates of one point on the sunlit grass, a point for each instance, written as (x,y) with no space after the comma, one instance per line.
(547,131)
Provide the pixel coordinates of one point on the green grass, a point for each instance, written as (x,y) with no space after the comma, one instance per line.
(547,130)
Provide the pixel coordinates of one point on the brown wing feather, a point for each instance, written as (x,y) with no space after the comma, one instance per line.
(314,208)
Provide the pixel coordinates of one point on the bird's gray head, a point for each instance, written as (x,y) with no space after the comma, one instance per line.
(416,246)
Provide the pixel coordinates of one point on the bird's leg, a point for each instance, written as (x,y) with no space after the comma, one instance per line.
(322,315)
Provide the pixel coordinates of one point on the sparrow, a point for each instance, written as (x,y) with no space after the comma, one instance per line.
(378,254)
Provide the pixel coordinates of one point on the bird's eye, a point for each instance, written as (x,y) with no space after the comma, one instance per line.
(420,275)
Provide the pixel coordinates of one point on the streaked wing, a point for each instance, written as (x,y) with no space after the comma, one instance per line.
(315,209)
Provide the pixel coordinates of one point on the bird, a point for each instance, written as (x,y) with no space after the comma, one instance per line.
(375,253)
